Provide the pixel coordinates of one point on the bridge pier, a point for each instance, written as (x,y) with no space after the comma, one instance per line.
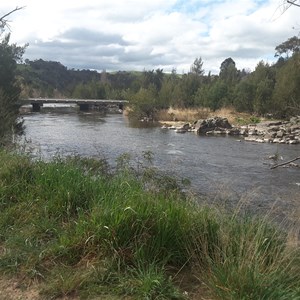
(36,107)
(84,107)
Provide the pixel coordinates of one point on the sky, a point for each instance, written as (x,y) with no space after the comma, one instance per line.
(119,35)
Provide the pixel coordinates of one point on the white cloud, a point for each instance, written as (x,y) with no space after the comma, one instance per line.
(134,34)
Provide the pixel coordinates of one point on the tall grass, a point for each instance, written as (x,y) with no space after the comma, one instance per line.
(81,228)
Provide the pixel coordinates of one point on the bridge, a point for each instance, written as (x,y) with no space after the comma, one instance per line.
(84,104)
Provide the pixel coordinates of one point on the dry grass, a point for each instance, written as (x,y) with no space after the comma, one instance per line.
(193,114)
(183,115)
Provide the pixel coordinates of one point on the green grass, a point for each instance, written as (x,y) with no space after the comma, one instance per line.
(82,228)
(246,121)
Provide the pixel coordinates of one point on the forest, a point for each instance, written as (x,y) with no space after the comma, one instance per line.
(272,89)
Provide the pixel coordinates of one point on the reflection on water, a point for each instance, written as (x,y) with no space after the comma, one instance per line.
(213,164)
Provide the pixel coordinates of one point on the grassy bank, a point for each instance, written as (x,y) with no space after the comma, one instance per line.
(81,229)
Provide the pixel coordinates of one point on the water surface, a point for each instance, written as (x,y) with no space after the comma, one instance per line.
(219,166)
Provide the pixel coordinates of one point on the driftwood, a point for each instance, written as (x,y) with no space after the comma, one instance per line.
(285,163)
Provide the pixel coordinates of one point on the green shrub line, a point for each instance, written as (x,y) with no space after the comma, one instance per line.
(81,228)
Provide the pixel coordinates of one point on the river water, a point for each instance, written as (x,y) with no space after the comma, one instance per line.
(224,168)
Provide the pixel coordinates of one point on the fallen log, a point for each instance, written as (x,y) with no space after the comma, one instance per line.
(285,163)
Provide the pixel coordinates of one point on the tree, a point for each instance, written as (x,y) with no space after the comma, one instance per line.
(286,97)
(244,95)
(228,71)
(144,104)
(10,91)
(217,95)
(263,78)
(153,78)
(197,67)
(288,47)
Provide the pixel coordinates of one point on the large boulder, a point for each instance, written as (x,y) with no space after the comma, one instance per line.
(211,124)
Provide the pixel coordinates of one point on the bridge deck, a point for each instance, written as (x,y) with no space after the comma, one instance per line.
(77,101)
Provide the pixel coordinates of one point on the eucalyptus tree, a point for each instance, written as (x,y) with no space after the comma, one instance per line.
(288,47)
(10,54)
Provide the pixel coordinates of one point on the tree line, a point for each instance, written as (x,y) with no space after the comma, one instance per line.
(269,89)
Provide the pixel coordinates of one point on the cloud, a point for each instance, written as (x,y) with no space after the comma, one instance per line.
(150,34)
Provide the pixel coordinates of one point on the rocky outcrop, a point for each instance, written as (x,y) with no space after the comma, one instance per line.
(216,125)
(282,132)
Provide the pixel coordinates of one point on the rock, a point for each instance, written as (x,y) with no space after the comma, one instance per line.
(211,124)
(180,130)
(235,131)
(252,132)
(244,131)
(274,123)
(273,128)
(184,128)
(279,134)
(260,140)
(267,140)
(283,132)
(250,139)
(295,120)
(282,141)
(277,140)
(220,131)
(295,128)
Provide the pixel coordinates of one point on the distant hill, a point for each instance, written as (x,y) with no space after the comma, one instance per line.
(41,78)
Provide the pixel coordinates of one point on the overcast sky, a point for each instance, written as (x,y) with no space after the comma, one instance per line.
(129,35)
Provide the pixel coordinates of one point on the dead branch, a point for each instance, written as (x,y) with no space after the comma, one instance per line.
(293,3)
(285,163)
(3,20)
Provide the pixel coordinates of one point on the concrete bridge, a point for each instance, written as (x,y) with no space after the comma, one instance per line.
(84,104)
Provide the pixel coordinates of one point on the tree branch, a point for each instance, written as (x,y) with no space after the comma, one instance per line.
(293,3)
(2,19)
(285,163)
(9,13)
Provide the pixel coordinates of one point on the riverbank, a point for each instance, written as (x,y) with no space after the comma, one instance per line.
(81,229)
(180,116)
(228,122)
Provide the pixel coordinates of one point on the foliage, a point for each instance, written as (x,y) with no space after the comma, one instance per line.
(116,233)
(287,88)
(144,104)
(290,46)
(10,54)
(197,67)
(228,71)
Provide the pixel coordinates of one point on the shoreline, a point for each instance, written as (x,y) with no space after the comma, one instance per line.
(264,131)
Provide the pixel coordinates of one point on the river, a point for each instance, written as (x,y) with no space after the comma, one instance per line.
(225,168)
